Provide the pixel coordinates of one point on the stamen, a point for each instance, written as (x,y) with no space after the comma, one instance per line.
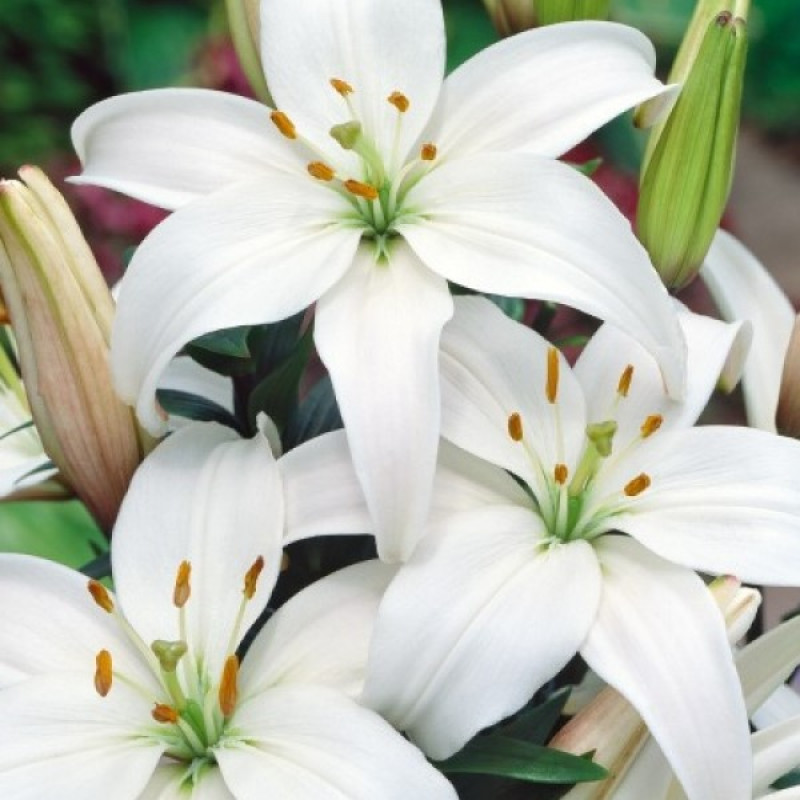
(168,653)
(560,474)
(102,673)
(251,577)
(347,134)
(399,101)
(601,435)
(320,171)
(164,713)
(651,425)
(515,427)
(183,587)
(228,690)
(343,87)
(637,485)
(283,124)
(551,388)
(100,595)
(360,189)
(428,152)
(624,385)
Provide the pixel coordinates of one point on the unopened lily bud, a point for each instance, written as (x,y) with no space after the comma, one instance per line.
(688,166)
(513,16)
(787,418)
(61,313)
(739,605)
(244,22)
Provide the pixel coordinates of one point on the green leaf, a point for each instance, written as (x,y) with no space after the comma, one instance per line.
(230,342)
(195,407)
(59,531)
(588,168)
(272,344)
(317,414)
(534,725)
(513,307)
(98,568)
(513,758)
(469,30)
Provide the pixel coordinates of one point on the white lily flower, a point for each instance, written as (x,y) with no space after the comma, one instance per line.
(172,712)
(528,572)
(743,289)
(373,185)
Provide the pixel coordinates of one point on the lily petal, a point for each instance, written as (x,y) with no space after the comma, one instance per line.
(56,625)
(321,492)
(267,250)
(743,289)
(321,635)
(493,367)
(776,751)
(508,626)
(713,347)
(378,333)
(223,510)
(526,226)
(307,741)
(660,640)
(59,738)
(722,500)
(167,784)
(304,45)
(171,146)
(544,90)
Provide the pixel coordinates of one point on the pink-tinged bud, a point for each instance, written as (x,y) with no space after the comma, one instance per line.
(787,418)
(61,312)
(244,23)
(513,16)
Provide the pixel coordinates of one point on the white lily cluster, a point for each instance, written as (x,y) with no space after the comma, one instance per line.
(524,511)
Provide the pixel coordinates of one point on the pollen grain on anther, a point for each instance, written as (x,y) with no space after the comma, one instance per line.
(551,387)
(560,474)
(637,485)
(651,424)
(251,577)
(342,87)
(183,587)
(283,124)
(399,101)
(428,151)
(103,673)
(228,688)
(624,385)
(360,189)
(515,430)
(100,595)
(164,713)
(320,171)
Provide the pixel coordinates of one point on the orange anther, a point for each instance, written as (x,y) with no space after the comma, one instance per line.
(164,713)
(100,595)
(399,101)
(651,425)
(228,690)
(551,388)
(560,473)
(624,385)
(283,124)
(637,485)
(343,87)
(183,586)
(103,673)
(320,171)
(428,152)
(515,426)
(251,577)
(360,189)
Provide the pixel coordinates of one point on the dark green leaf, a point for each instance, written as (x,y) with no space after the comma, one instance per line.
(192,406)
(229,342)
(98,568)
(588,168)
(535,724)
(513,307)
(272,344)
(317,414)
(512,758)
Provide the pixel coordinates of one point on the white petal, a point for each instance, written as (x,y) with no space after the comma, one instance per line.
(171,146)
(492,367)
(765,663)
(377,47)
(525,226)
(660,640)
(310,742)
(743,289)
(485,610)
(378,333)
(463,483)
(781,705)
(723,500)
(210,498)
(321,635)
(650,776)
(776,751)
(321,491)
(59,738)
(167,785)
(256,252)
(545,90)
(55,625)
(183,374)
(24,473)
(711,347)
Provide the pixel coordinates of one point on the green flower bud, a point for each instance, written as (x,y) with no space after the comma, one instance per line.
(513,16)
(688,166)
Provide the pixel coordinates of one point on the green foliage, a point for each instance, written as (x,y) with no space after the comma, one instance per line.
(469,30)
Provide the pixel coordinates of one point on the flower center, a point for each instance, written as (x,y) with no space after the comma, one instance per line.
(376,190)
(193,708)
(561,496)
